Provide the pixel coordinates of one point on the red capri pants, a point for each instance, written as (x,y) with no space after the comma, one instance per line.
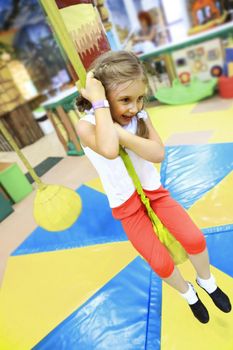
(140,232)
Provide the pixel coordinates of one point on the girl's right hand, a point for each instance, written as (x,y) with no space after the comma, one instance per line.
(94,90)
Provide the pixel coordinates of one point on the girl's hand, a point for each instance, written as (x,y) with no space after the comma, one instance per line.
(94,90)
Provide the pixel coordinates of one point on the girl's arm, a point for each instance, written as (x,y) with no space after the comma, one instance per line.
(102,137)
(151,149)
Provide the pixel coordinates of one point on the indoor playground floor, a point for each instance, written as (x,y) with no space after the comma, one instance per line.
(86,288)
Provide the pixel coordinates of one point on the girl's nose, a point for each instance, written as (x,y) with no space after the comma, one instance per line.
(133,109)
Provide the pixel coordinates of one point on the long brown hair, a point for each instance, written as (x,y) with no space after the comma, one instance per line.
(113,68)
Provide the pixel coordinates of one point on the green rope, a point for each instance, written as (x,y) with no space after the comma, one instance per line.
(177,252)
(65,40)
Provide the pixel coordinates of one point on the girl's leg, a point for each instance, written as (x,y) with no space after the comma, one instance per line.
(181,226)
(141,234)
(139,229)
(176,281)
(175,218)
(207,281)
(187,291)
(201,264)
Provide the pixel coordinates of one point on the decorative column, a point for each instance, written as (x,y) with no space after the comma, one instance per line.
(79,31)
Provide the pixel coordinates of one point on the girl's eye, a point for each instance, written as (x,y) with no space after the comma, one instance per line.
(140,98)
(125,99)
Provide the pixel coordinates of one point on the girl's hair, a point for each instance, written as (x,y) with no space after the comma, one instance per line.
(145,16)
(113,68)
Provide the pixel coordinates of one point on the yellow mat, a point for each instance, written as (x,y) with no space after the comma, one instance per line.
(96,184)
(169,120)
(41,290)
(180,330)
(215,207)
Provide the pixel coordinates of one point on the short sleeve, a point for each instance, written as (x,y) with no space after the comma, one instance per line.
(89,117)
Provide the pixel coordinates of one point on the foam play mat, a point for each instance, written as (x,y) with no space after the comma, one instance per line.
(87,288)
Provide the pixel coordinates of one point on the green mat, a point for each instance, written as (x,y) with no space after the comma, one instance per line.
(180,94)
(5,207)
(44,166)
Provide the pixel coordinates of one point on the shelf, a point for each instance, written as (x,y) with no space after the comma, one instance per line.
(190,40)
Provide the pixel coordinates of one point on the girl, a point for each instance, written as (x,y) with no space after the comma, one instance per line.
(148,29)
(114,95)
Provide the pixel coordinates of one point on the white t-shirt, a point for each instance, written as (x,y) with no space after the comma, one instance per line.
(113,174)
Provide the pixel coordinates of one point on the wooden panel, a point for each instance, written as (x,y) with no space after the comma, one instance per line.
(69,127)
(4,145)
(22,126)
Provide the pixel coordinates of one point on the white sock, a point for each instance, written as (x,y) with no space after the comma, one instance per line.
(190,295)
(209,285)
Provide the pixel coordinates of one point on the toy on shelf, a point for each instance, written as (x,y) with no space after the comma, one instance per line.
(206,14)
(204,60)
(180,94)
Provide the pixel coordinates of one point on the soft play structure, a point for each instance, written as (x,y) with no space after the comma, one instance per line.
(87,288)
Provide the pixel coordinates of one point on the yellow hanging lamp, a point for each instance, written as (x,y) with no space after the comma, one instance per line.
(56,207)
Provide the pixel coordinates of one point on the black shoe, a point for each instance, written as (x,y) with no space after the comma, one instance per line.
(200,311)
(220,299)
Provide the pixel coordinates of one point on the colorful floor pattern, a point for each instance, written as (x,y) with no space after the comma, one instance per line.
(87,289)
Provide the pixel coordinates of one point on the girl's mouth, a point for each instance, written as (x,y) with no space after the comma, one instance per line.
(127,117)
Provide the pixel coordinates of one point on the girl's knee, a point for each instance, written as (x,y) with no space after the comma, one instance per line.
(197,245)
(163,267)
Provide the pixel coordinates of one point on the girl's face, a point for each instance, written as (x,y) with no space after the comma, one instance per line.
(126,100)
(144,25)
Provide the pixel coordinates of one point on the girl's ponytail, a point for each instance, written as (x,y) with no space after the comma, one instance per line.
(142,129)
(83,104)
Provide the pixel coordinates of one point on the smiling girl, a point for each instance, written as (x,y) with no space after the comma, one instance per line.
(114,103)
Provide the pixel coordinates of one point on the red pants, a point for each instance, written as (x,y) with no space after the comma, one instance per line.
(140,232)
